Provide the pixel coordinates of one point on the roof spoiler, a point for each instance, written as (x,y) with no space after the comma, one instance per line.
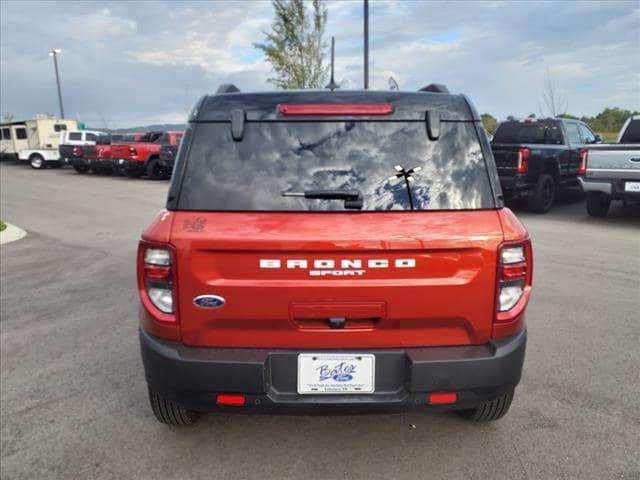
(435,87)
(227,88)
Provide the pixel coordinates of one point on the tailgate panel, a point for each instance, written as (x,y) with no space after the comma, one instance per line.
(397,279)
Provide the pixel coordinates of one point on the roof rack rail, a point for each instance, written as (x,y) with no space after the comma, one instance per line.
(435,87)
(227,88)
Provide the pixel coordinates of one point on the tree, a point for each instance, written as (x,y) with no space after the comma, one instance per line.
(8,117)
(490,123)
(555,102)
(295,47)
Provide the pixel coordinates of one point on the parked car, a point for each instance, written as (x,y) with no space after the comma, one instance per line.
(143,156)
(73,145)
(333,251)
(99,155)
(537,158)
(35,141)
(612,171)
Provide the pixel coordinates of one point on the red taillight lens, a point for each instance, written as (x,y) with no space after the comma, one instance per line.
(335,109)
(232,400)
(513,286)
(132,151)
(156,281)
(77,151)
(523,160)
(584,157)
(442,398)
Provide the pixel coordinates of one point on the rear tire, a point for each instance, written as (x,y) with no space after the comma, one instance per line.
(543,195)
(170,412)
(37,161)
(155,171)
(55,164)
(490,410)
(597,204)
(81,168)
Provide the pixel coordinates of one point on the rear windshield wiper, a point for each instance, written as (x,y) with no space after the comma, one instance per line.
(352,198)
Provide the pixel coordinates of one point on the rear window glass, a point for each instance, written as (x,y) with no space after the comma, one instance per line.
(536,132)
(75,136)
(296,157)
(21,133)
(632,132)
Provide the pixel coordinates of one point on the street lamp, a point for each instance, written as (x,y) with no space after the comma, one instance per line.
(54,53)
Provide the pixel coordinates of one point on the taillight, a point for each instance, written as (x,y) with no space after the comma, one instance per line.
(156,280)
(132,151)
(77,151)
(523,160)
(582,166)
(347,109)
(513,288)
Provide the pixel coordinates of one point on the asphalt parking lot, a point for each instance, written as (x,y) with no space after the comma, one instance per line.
(73,398)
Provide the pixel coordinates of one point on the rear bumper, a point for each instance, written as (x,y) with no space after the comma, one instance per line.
(194,376)
(609,187)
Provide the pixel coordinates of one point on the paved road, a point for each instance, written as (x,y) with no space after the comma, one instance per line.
(73,400)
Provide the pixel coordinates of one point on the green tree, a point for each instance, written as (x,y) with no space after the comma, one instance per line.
(490,123)
(8,117)
(295,46)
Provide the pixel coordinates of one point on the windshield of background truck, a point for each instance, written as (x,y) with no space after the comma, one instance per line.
(535,132)
(631,133)
(275,157)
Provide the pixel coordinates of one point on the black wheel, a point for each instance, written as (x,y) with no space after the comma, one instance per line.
(81,168)
(543,195)
(155,171)
(37,161)
(597,204)
(170,412)
(55,164)
(490,410)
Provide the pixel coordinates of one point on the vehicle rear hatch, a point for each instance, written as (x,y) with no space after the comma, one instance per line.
(121,150)
(614,161)
(512,138)
(415,266)
(70,151)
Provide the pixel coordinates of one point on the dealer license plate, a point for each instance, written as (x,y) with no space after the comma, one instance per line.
(632,186)
(328,373)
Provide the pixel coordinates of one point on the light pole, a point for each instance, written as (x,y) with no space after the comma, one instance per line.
(54,53)
(366,44)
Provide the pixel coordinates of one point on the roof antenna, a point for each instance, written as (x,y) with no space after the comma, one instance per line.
(332,85)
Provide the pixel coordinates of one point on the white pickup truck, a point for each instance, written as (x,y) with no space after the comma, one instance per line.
(611,171)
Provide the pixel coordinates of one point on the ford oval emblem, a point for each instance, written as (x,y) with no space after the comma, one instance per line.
(209,301)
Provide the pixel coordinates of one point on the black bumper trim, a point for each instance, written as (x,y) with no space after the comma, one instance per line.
(194,375)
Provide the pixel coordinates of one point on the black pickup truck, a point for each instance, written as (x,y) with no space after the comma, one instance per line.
(536,158)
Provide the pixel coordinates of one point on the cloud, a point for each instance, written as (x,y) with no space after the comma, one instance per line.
(128,62)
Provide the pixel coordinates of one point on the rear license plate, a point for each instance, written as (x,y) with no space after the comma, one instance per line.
(632,186)
(329,373)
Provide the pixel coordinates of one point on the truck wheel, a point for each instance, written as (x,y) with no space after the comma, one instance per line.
(170,412)
(55,164)
(81,168)
(490,410)
(155,171)
(597,204)
(37,161)
(543,195)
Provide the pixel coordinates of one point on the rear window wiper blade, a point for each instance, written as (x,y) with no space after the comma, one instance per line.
(352,198)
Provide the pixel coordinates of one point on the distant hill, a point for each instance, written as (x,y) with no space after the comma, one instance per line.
(147,128)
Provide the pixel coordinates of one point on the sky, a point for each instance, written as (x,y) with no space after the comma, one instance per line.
(137,63)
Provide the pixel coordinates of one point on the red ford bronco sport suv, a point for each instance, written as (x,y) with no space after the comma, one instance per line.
(333,251)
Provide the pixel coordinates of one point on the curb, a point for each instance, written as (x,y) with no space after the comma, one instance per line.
(11,234)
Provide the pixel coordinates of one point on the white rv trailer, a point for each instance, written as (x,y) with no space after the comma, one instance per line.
(35,140)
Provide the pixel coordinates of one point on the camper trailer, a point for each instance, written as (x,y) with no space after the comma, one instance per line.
(35,140)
